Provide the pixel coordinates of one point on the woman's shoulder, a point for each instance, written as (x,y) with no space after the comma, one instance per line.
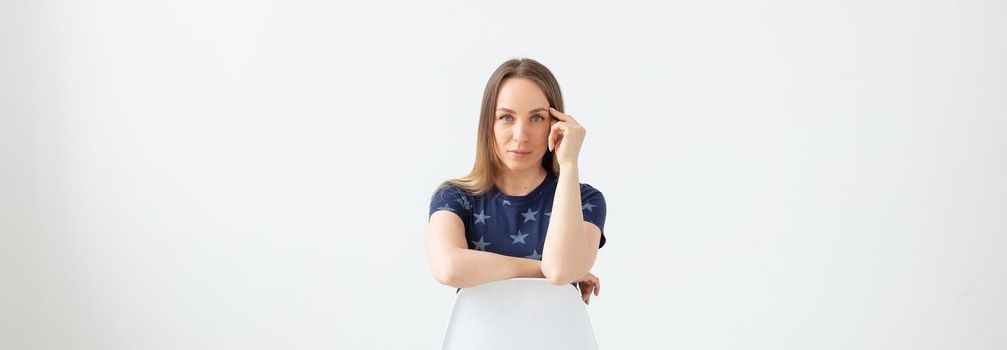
(450,196)
(586,187)
(448,187)
(589,193)
(448,190)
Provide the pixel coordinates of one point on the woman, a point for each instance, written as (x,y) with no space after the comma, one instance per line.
(521,211)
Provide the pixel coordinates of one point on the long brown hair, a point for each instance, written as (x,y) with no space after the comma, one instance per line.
(481,178)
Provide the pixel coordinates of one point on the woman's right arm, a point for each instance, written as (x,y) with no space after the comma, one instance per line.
(455,265)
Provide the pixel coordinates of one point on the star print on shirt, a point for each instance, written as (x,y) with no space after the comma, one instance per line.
(518,237)
(529,215)
(492,219)
(481,245)
(535,255)
(481,217)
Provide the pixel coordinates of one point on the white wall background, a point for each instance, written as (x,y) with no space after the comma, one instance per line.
(256,174)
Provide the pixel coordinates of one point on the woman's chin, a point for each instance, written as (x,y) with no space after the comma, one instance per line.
(523,164)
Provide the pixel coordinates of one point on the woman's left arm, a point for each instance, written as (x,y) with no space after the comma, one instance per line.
(571,244)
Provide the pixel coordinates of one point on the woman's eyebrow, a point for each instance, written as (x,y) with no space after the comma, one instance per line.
(543,109)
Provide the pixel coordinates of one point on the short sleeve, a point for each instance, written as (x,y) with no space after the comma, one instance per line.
(593,205)
(451,198)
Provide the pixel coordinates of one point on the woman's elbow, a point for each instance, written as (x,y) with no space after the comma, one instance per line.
(560,276)
(447,274)
(443,276)
(559,279)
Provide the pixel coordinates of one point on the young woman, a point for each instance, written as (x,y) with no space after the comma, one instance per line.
(521,211)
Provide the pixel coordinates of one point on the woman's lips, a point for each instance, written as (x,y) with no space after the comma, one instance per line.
(520,153)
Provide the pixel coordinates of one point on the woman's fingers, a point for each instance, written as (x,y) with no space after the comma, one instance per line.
(589,284)
(585,289)
(552,126)
(557,114)
(556,135)
(562,116)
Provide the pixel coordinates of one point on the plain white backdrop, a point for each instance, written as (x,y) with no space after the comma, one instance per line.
(256,174)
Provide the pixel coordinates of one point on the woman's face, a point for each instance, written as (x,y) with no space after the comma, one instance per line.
(522,124)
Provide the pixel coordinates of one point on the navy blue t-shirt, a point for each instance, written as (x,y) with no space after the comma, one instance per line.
(513,225)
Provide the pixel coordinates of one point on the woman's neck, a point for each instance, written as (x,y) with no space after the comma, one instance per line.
(519,184)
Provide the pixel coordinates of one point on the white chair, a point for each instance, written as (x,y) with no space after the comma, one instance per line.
(519,313)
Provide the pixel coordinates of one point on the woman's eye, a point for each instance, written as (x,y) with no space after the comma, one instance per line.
(508,117)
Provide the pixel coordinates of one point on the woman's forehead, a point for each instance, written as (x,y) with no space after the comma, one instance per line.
(520,95)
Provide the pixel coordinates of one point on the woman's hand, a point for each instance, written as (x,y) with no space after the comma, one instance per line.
(565,138)
(589,283)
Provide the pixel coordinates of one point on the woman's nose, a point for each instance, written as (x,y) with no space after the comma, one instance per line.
(520,131)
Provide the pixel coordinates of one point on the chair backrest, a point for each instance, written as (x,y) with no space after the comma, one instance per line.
(519,313)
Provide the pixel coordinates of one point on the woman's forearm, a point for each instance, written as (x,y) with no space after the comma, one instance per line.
(564,256)
(473,267)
